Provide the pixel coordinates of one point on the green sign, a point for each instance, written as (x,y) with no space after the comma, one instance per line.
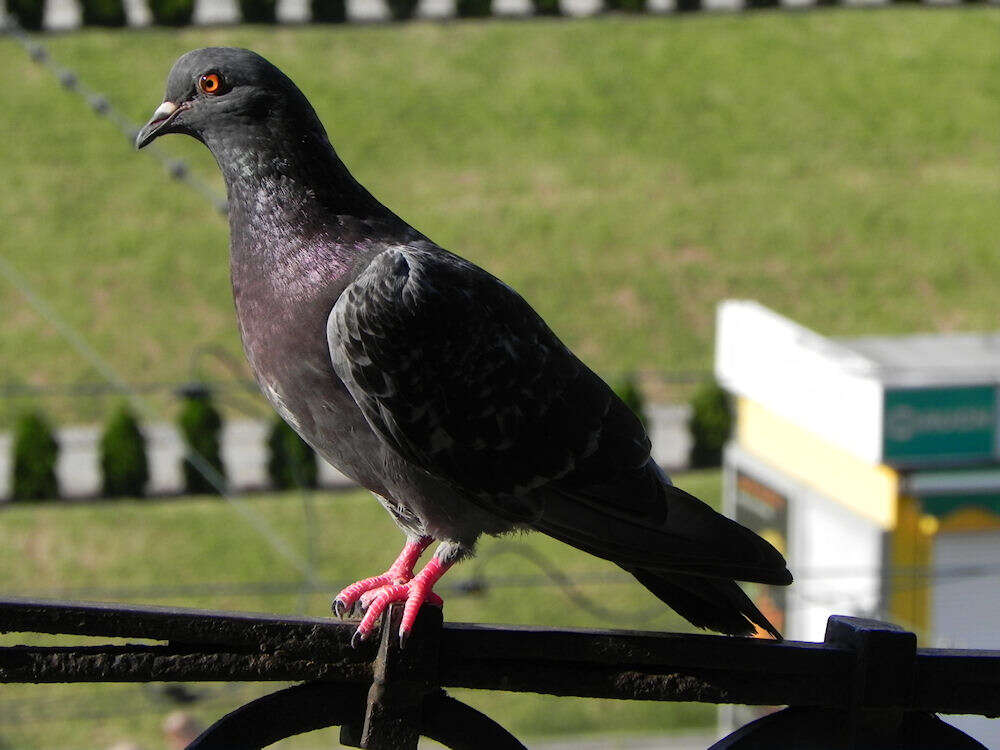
(939,425)
(942,505)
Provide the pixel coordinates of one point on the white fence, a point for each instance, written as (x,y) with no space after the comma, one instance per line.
(63,15)
(244,453)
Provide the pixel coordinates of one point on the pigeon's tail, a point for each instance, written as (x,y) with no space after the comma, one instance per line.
(714,603)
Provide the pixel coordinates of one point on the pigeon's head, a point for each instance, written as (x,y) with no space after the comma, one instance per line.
(224,94)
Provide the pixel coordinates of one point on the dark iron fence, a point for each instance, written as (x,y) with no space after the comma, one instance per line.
(866,686)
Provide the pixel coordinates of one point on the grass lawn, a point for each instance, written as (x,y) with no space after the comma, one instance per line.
(148,551)
(624,173)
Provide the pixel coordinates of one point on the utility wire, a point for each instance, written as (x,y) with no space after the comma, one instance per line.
(198,461)
(103,388)
(101,106)
(477,584)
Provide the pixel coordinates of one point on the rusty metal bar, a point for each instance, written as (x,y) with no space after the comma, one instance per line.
(606,664)
(882,679)
(175,624)
(285,713)
(168,663)
(402,678)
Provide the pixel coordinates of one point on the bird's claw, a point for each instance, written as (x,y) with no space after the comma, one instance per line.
(369,596)
(339,608)
(373,595)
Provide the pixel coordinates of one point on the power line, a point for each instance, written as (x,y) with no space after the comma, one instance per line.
(104,388)
(102,366)
(100,105)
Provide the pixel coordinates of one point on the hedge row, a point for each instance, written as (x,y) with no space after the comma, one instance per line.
(124,461)
(179,12)
(291,462)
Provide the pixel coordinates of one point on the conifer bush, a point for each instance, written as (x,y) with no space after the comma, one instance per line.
(711,423)
(329,11)
(201,427)
(103,13)
(258,11)
(402,10)
(171,12)
(29,13)
(547,7)
(291,462)
(627,6)
(628,391)
(124,464)
(473,8)
(35,455)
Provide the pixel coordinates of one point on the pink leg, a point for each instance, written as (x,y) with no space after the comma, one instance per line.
(415,592)
(400,571)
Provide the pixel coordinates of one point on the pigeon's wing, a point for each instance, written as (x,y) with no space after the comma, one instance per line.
(462,377)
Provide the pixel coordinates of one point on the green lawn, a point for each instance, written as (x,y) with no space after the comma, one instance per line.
(624,173)
(145,551)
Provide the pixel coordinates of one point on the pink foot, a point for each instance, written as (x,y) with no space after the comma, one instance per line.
(414,592)
(400,571)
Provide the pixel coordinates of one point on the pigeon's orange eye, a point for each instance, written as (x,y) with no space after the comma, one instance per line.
(211,83)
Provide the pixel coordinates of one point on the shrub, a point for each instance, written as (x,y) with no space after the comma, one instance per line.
(329,11)
(473,8)
(628,6)
(171,12)
(258,11)
(628,391)
(547,7)
(402,10)
(103,13)
(711,423)
(35,454)
(29,12)
(291,462)
(201,427)
(124,466)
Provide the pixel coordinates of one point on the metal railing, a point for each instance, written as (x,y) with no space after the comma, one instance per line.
(866,686)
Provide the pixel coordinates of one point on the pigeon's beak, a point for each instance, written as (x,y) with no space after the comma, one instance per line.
(162,117)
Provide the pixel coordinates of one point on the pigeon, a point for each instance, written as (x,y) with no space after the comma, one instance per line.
(427,380)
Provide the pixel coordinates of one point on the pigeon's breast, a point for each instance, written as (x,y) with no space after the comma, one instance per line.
(284,337)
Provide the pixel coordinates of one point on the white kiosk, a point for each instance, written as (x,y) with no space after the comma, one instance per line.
(874,464)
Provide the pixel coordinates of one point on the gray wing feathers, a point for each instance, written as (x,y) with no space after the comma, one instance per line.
(461,377)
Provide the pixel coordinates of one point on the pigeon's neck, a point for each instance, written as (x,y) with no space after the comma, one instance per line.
(294,207)
(292,177)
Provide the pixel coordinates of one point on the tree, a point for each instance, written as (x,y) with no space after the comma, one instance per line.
(35,455)
(711,424)
(124,465)
(201,427)
(291,463)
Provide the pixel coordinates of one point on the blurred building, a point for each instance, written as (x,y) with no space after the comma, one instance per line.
(874,465)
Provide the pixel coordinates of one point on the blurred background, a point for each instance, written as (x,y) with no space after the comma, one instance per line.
(628,167)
